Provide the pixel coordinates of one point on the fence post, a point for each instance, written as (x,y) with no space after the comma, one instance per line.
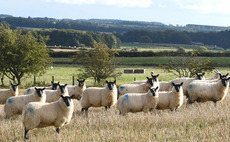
(134,78)
(73,80)
(53,78)
(34,80)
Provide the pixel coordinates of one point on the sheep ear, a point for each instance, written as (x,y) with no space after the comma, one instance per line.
(226,74)
(147,78)
(228,78)
(181,83)
(106,81)
(65,84)
(44,88)
(11,83)
(52,82)
(72,96)
(173,84)
(58,82)
(62,96)
(114,81)
(156,88)
(157,75)
(78,80)
(83,80)
(36,88)
(203,73)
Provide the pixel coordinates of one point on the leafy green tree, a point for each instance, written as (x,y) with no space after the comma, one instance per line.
(189,66)
(22,54)
(180,51)
(145,39)
(97,63)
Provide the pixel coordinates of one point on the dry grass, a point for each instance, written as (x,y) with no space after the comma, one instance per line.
(198,122)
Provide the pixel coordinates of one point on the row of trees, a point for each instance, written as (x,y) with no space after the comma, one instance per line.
(211,38)
(66,37)
(103,25)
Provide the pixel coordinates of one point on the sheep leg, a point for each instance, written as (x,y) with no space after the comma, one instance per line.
(58,130)
(215,103)
(26,134)
(107,107)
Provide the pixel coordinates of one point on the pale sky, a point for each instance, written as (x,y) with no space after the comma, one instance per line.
(181,12)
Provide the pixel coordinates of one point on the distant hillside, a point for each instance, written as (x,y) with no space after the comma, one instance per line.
(102,25)
(5,15)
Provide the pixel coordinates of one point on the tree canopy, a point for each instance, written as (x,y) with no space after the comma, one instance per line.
(22,54)
(97,63)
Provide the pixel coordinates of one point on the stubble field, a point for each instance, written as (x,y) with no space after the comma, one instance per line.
(197,122)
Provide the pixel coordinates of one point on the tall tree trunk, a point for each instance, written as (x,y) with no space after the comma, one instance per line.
(2,79)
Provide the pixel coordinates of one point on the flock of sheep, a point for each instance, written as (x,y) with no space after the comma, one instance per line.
(53,106)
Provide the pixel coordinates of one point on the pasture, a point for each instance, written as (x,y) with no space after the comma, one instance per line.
(198,122)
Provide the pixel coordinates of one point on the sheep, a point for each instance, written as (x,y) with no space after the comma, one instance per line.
(139,88)
(54,95)
(15,104)
(39,115)
(32,89)
(165,86)
(171,99)
(97,97)
(187,81)
(77,90)
(6,93)
(216,76)
(136,102)
(207,91)
(213,80)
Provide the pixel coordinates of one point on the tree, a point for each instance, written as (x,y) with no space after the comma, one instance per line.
(145,39)
(189,66)
(97,63)
(22,54)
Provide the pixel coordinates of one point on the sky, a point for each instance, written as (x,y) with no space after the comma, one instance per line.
(175,12)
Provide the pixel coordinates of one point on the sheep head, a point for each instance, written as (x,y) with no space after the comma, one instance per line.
(67,99)
(111,84)
(39,91)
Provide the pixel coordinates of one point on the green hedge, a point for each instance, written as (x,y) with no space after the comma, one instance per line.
(147,54)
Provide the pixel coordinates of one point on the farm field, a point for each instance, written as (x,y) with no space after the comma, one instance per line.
(198,122)
(166,46)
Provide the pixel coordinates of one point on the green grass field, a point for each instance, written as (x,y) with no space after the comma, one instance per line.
(198,122)
(166,46)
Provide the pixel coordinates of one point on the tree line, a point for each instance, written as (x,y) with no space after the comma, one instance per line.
(211,38)
(68,37)
(103,25)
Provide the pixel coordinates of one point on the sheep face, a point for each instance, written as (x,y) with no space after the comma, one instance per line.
(54,85)
(14,87)
(154,77)
(200,76)
(177,86)
(62,88)
(81,82)
(153,91)
(67,99)
(111,84)
(39,91)
(150,81)
(225,81)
